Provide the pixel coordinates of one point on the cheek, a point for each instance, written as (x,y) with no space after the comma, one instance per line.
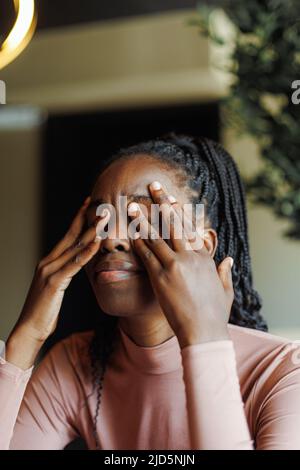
(89,271)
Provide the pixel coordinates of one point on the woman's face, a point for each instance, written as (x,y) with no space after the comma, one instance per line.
(116,273)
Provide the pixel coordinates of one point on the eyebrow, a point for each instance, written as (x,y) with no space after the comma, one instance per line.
(140,197)
(136,197)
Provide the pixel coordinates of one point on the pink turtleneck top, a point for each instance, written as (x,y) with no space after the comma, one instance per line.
(241,393)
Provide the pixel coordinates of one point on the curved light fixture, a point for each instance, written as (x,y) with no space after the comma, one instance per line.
(21,33)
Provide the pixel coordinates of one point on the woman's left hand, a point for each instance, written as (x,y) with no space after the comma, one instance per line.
(195,296)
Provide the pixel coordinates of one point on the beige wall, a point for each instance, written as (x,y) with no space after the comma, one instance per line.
(19,214)
(147,60)
(276,260)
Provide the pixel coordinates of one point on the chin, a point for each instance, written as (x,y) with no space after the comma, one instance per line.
(115,312)
(125,302)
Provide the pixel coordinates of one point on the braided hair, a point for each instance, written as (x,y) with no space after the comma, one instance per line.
(211,174)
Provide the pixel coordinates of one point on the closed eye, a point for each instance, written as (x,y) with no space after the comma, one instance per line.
(142,199)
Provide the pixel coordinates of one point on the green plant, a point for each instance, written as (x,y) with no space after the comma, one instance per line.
(265,62)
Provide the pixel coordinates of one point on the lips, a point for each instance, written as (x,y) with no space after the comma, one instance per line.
(117,265)
(116,270)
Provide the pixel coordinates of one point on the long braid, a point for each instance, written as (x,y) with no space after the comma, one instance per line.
(98,383)
(213,178)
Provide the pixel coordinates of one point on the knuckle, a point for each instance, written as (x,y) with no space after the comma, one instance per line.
(39,266)
(86,252)
(78,244)
(163,198)
(88,249)
(70,248)
(162,275)
(174,267)
(76,260)
(192,238)
(42,270)
(147,255)
(51,282)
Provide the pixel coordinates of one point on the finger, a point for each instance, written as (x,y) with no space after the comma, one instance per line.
(75,251)
(71,235)
(225,275)
(172,227)
(74,265)
(192,219)
(183,232)
(151,238)
(149,259)
(193,222)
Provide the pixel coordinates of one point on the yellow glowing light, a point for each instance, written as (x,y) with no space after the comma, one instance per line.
(21,33)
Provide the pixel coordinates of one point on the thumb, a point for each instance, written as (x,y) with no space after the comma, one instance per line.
(224,271)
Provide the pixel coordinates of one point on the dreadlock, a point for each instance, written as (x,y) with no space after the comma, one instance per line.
(213,178)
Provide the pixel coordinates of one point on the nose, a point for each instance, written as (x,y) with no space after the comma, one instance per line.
(116,240)
(114,245)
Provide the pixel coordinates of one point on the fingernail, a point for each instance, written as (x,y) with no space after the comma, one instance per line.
(231,261)
(133,208)
(97,239)
(155,185)
(172,199)
(136,235)
(86,200)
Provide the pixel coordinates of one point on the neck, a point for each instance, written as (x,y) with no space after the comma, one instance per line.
(146,330)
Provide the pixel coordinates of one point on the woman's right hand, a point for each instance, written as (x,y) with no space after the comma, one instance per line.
(52,276)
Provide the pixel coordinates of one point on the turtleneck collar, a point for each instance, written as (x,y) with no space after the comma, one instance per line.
(159,359)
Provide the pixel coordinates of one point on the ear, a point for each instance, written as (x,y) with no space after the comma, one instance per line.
(211,241)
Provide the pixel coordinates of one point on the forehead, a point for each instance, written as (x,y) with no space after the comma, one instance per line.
(134,174)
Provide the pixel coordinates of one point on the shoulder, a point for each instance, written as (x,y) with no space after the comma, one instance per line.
(77,343)
(75,347)
(263,358)
(249,340)
(260,344)
(69,356)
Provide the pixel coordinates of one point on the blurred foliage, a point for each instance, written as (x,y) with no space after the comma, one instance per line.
(265,61)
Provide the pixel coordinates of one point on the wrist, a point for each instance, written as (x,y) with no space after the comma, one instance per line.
(22,347)
(199,336)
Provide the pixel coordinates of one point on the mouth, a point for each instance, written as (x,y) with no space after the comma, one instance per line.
(116,271)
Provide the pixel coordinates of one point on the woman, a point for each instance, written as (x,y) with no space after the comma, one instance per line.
(181,358)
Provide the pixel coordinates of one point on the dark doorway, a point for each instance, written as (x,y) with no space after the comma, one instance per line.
(74,148)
